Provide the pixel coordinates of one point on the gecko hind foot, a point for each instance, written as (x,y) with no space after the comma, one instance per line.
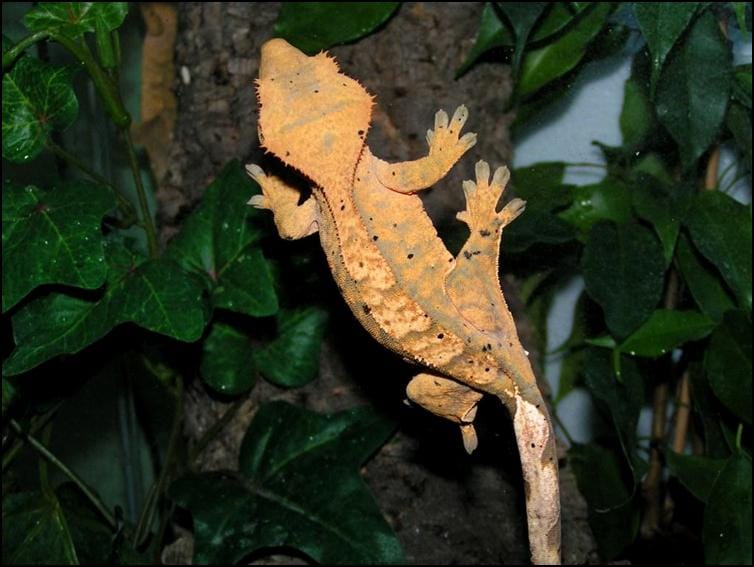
(482,198)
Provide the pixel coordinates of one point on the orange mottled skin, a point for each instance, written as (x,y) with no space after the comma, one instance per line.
(446,314)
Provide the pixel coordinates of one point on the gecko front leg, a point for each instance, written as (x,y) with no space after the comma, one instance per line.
(446,146)
(292,220)
(449,399)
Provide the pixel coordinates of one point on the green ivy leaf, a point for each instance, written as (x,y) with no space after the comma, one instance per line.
(37,99)
(693,89)
(314,26)
(609,199)
(154,294)
(536,226)
(665,330)
(543,65)
(300,487)
(662,24)
(613,513)
(35,531)
(703,281)
(696,472)
(728,363)
(227,360)
(220,243)
(53,237)
(720,227)
(292,358)
(492,33)
(74,19)
(727,519)
(662,206)
(623,271)
(541,185)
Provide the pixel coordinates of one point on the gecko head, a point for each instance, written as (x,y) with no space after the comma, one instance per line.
(311,116)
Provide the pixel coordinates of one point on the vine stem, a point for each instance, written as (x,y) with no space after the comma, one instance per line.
(76,479)
(146,217)
(123,203)
(15,52)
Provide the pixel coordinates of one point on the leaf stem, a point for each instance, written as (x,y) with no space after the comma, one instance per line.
(158,489)
(146,217)
(216,427)
(77,480)
(123,203)
(37,423)
(10,56)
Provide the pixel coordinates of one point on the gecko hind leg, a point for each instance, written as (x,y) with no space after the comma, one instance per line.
(292,220)
(478,259)
(449,399)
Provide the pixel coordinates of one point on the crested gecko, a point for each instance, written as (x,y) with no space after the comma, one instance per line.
(445,313)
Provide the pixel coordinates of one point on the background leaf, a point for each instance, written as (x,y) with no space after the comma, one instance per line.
(693,89)
(73,19)
(623,271)
(545,64)
(696,472)
(314,26)
(607,200)
(35,531)
(37,99)
(662,24)
(53,237)
(727,518)
(728,363)
(665,330)
(220,243)
(228,360)
(300,487)
(292,358)
(721,229)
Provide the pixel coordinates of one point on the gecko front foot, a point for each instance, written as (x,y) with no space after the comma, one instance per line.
(292,220)
(482,198)
(445,141)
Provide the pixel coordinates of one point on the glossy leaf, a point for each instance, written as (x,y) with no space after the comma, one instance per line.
(613,513)
(662,24)
(609,199)
(35,531)
(637,119)
(154,294)
(728,363)
(738,122)
(37,99)
(227,360)
(721,230)
(703,281)
(696,472)
(314,26)
(521,17)
(623,271)
(533,227)
(492,33)
(742,85)
(299,487)
(727,518)
(74,19)
(541,186)
(53,237)
(693,89)
(665,330)
(292,358)
(662,206)
(543,65)
(219,242)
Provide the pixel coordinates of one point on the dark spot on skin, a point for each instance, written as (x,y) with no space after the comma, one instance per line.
(426,315)
(361,264)
(366,309)
(343,84)
(486,369)
(287,154)
(510,344)
(440,336)
(450,131)
(484,233)
(467,254)
(393,173)
(316,91)
(358,179)
(361,132)
(395,225)
(476,252)
(533,445)
(450,260)
(484,349)
(489,346)
(471,362)
(375,238)
(342,207)
(371,219)
(291,82)
(410,256)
